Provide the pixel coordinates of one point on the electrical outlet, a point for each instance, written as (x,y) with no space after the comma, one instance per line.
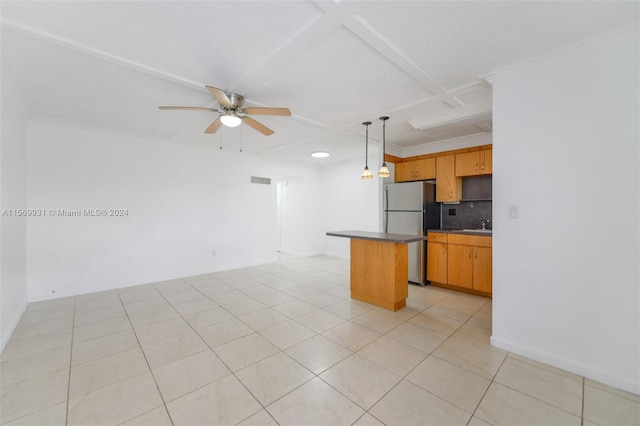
(452,212)
(513,212)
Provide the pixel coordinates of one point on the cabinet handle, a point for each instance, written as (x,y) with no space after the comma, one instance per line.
(476,167)
(476,252)
(469,253)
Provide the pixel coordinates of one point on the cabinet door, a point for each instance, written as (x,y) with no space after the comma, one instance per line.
(486,162)
(482,268)
(460,265)
(437,262)
(426,169)
(448,186)
(468,164)
(404,171)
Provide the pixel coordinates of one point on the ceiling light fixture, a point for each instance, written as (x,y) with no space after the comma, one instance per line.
(230,120)
(320,154)
(384,170)
(366,174)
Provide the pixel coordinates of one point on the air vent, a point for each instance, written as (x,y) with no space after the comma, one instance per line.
(261,180)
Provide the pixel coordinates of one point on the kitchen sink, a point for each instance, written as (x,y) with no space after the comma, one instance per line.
(484,231)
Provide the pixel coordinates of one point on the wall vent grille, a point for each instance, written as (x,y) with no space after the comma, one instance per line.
(261,180)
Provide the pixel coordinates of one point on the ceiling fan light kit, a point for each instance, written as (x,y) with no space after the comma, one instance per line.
(232,113)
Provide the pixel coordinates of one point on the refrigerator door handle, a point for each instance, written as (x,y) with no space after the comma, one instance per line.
(385,219)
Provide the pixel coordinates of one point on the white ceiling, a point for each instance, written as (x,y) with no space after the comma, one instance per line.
(110,64)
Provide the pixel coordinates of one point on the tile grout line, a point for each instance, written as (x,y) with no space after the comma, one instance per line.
(73,329)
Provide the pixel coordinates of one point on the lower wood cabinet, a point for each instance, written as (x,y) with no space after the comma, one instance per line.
(460,261)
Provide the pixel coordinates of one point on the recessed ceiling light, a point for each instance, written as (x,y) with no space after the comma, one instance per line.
(320,154)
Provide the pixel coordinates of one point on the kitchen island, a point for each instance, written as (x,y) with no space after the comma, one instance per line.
(379,267)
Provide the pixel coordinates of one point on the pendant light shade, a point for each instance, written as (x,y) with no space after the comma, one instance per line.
(366,174)
(384,170)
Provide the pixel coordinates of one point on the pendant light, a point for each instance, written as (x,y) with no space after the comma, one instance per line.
(366,174)
(384,171)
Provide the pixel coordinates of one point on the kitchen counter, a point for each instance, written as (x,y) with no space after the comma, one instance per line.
(379,267)
(378,236)
(462,232)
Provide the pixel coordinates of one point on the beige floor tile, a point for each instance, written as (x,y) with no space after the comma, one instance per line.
(454,312)
(348,309)
(314,403)
(52,416)
(340,292)
(377,321)
(184,296)
(259,290)
(403,314)
(89,317)
(155,302)
(152,316)
(188,374)
(320,320)
(212,288)
(245,351)
(105,371)
(163,352)
(137,293)
(38,328)
(608,406)
(409,405)
(368,420)
(172,286)
(224,402)
(207,317)
(482,321)
(419,337)
(100,329)
(541,384)
(295,308)
(287,334)
(97,301)
(360,380)
(224,332)
(261,418)
(275,299)
(504,406)
(28,397)
(465,301)
(393,355)
(264,318)
(101,347)
(482,360)
(202,303)
(34,345)
(318,353)
(320,299)
(53,303)
(547,367)
(156,417)
(273,377)
(473,334)
(44,314)
(456,385)
(352,336)
(162,330)
(437,323)
(477,421)
(229,297)
(117,403)
(28,367)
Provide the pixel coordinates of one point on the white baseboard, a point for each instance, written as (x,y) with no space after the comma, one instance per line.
(569,365)
(12,327)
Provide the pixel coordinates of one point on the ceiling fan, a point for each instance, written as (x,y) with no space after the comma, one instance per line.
(231,112)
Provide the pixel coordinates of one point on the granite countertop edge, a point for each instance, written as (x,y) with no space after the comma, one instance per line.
(378,236)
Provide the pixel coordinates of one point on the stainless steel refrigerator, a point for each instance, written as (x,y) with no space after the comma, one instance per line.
(411,208)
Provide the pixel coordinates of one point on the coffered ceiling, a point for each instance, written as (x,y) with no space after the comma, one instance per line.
(108,65)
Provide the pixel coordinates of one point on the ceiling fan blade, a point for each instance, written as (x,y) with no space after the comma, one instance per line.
(189,108)
(258,126)
(213,127)
(268,111)
(222,97)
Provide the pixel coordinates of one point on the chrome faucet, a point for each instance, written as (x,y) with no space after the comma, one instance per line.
(484,223)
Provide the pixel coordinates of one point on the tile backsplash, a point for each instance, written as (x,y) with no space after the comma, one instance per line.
(476,205)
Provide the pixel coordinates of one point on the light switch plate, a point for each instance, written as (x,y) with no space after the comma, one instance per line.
(513,212)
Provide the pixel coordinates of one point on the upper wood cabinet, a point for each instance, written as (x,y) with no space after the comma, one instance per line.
(416,170)
(448,185)
(474,163)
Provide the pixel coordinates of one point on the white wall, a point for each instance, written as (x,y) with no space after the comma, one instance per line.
(348,203)
(300,215)
(183,203)
(13,195)
(565,150)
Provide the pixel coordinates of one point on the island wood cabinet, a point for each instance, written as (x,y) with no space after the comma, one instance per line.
(448,185)
(416,170)
(474,163)
(460,262)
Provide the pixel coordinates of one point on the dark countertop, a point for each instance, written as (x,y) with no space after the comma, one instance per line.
(461,232)
(378,236)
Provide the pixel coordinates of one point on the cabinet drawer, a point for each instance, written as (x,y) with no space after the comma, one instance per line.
(437,237)
(470,240)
